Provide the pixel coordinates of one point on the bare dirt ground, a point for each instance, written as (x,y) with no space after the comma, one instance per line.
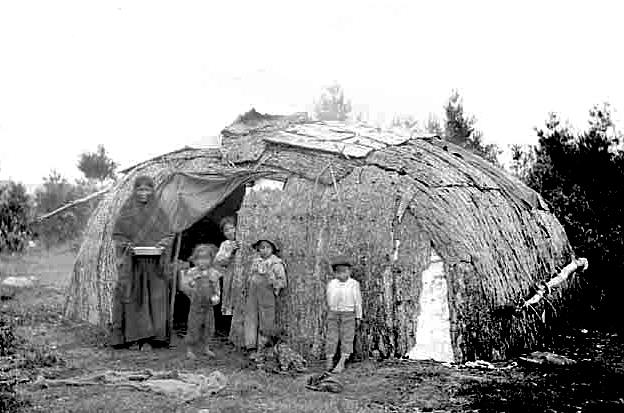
(52,347)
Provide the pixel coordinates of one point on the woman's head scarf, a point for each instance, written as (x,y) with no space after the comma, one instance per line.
(142,224)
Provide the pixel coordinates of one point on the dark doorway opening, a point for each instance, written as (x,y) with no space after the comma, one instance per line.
(206,231)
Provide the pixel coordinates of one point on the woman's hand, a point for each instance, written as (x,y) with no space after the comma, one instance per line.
(276,291)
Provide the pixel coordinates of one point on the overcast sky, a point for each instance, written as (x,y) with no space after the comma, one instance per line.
(147,77)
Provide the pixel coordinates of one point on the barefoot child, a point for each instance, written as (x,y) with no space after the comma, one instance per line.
(344,301)
(268,278)
(204,281)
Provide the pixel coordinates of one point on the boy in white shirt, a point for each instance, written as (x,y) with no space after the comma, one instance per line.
(344,301)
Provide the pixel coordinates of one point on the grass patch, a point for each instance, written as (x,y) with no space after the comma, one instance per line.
(9,400)
(25,308)
(7,338)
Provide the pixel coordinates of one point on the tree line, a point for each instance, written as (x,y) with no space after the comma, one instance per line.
(580,175)
(18,209)
(457,126)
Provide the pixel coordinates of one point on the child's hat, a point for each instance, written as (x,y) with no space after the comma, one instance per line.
(274,244)
(340,260)
(204,252)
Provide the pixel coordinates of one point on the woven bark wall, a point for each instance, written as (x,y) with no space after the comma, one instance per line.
(286,217)
(354,217)
(494,253)
(90,291)
(413,259)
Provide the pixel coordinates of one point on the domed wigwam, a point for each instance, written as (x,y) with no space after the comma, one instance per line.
(446,246)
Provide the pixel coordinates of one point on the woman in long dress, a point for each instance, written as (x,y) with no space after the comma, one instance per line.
(142,293)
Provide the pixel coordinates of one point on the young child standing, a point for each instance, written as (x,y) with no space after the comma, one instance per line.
(224,259)
(268,278)
(204,281)
(344,301)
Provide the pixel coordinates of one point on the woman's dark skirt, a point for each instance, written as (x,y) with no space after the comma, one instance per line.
(141,308)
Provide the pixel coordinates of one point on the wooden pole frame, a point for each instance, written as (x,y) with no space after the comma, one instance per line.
(545,288)
(174,287)
(73,204)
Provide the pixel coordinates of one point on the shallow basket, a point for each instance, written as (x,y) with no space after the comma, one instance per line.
(142,251)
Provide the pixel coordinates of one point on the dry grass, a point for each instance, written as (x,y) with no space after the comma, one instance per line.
(61,349)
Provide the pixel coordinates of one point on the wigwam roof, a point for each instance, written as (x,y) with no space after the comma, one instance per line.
(427,159)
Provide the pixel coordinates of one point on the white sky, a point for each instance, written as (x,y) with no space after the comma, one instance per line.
(147,77)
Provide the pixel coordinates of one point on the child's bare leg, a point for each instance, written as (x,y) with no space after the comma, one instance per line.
(341,363)
(145,346)
(190,354)
(209,352)
(262,341)
(257,355)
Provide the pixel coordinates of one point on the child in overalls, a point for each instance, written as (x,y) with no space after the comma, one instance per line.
(203,280)
(344,301)
(268,278)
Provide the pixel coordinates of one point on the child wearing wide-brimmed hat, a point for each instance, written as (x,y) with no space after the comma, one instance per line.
(268,279)
(205,293)
(344,301)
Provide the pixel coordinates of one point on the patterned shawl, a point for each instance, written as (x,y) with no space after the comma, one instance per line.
(143,225)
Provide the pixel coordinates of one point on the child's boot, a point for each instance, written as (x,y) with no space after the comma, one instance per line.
(341,363)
